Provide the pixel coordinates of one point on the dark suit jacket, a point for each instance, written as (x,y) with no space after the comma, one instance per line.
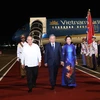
(99,49)
(51,56)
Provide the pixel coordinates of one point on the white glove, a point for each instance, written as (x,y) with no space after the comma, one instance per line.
(17,59)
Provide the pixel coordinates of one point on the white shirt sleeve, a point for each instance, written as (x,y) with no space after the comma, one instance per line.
(96,47)
(18,51)
(23,57)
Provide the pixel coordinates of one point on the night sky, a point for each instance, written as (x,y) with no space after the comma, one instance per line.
(16,14)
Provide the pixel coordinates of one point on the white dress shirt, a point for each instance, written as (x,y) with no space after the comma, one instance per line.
(53,44)
(31,55)
(20,49)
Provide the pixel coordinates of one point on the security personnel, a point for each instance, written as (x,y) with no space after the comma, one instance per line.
(94,52)
(19,54)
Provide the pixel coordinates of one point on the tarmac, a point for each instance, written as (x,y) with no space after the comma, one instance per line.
(8,58)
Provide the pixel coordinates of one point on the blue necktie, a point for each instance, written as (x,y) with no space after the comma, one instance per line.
(53,47)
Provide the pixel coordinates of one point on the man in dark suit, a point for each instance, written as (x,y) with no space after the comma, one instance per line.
(99,53)
(53,59)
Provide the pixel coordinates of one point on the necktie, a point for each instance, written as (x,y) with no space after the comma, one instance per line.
(53,47)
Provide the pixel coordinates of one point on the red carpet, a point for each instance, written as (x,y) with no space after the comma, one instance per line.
(12,87)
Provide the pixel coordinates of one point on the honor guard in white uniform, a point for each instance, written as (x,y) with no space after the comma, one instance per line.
(19,54)
(86,53)
(83,51)
(94,52)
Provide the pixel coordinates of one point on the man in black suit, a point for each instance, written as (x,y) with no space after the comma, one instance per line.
(53,59)
(99,53)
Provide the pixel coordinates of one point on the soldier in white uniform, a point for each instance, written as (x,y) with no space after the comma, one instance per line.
(19,54)
(83,51)
(90,56)
(87,53)
(94,52)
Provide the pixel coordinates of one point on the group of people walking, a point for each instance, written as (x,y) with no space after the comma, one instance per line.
(54,56)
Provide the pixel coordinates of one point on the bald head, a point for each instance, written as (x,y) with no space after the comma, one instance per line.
(29,40)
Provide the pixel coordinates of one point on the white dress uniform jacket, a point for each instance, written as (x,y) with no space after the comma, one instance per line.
(93,48)
(20,49)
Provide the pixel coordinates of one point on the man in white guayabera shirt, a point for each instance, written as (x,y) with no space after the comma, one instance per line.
(31,60)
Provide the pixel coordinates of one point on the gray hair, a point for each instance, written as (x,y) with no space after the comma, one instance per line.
(52,35)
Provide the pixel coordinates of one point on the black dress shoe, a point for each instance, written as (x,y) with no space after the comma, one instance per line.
(52,88)
(71,87)
(23,76)
(33,86)
(94,69)
(30,90)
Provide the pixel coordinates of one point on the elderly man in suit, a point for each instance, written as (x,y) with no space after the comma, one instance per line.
(53,59)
